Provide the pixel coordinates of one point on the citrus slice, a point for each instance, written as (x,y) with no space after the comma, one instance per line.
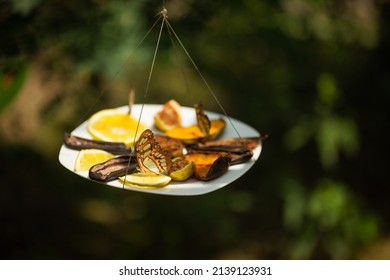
(181,169)
(169,117)
(89,157)
(114,126)
(145,180)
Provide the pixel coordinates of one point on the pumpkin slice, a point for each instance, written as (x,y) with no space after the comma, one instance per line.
(248,142)
(209,166)
(237,154)
(192,134)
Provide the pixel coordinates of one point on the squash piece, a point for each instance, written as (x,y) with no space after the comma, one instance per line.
(192,134)
(209,166)
(248,142)
(237,154)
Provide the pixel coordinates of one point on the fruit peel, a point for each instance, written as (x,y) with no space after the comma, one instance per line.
(181,169)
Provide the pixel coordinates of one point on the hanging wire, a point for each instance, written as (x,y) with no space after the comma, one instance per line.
(180,65)
(201,76)
(102,92)
(163,15)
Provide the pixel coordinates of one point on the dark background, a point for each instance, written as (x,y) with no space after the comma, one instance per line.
(314,75)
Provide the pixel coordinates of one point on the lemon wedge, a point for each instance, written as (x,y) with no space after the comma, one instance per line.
(114,126)
(89,157)
(181,169)
(145,180)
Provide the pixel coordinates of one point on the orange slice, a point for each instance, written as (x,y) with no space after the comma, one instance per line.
(89,157)
(114,126)
(169,117)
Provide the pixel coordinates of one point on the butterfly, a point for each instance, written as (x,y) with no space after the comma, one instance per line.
(147,148)
(204,123)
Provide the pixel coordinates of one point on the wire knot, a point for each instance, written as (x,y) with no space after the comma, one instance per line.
(164,13)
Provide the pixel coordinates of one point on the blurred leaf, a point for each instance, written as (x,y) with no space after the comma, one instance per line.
(337,247)
(294,205)
(24,6)
(241,202)
(369,228)
(10,85)
(327,89)
(304,244)
(300,134)
(119,30)
(327,203)
(335,135)
(328,219)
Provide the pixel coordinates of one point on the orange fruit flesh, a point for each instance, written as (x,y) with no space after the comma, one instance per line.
(114,126)
(169,117)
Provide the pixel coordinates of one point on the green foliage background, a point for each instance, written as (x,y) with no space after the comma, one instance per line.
(314,75)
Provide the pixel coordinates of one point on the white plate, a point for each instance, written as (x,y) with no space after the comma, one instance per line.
(67,157)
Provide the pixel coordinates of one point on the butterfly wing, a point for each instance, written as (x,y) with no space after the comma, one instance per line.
(204,123)
(147,147)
